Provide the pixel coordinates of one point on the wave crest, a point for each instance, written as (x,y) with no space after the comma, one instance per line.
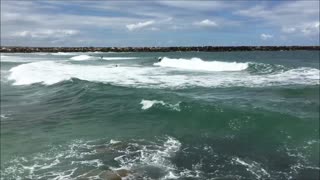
(198,64)
(81,57)
(50,72)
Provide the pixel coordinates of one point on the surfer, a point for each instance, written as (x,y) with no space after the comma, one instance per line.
(159,59)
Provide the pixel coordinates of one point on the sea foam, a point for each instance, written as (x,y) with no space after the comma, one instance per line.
(50,72)
(147,104)
(253,167)
(198,64)
(16,59)
(81,57)
(158,156)
(119,58)
(64,54)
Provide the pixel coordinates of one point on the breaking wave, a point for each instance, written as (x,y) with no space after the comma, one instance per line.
(49,72)
(198,64)
(88,57)
(119,58)
(64,54)
(81,57)
(16,59)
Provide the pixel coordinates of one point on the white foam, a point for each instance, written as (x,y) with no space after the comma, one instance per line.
(132,156)
(253,167)
(41,54)
(18,59)
(64,54)
(109,52)
(93,162)
(33,75)
(4,116)
(312,142)
(146,104)
(50,72)
(47,165)
(302,159)
(119,58)
(156,155)
(114,141)
(198,64)
(171,175)
(81,57)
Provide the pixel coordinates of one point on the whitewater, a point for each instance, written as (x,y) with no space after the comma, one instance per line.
(160,74)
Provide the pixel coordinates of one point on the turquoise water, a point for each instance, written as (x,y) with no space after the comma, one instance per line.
(194,115)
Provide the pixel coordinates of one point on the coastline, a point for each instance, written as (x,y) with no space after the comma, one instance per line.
(21,49)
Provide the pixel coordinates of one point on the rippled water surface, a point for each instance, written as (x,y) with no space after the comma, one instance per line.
(192,115)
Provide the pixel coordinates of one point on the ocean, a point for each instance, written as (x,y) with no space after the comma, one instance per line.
(192,115)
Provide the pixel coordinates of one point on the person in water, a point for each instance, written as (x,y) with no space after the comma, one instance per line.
(159,59)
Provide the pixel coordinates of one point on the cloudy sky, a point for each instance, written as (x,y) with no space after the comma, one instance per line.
(159,23)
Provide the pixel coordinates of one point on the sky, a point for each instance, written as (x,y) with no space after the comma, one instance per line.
(124,23)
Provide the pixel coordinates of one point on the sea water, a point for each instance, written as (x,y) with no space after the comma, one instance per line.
(192,115)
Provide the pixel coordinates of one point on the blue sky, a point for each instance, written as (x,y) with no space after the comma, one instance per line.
(159,23)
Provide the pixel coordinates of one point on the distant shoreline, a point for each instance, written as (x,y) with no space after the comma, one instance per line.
(20,49)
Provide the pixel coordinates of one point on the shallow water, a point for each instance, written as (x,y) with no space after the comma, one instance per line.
(194,115)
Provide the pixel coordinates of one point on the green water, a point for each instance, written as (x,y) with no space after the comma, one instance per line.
(184,118)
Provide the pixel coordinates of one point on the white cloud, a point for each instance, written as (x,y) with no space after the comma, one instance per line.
(311,28)
(199,5)
(175,27)
(256,11)
(206,23)
(139,25)
(284,13)
(47,33)
(34,23)
(288,15)
(168,19)
(266,36)
(154,29)
(288,29)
